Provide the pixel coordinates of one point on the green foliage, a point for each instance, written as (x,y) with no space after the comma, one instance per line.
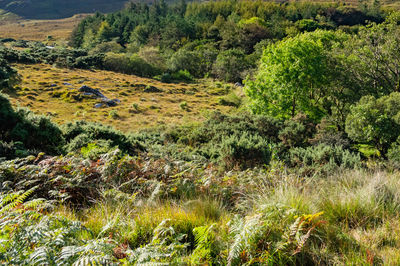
(34,132)
(165,246)
(241,140)
(80,133)
(293,75)
(8,75)
(323,159)
(273,237)
(230,64)
(94,150)
(45,239)
(297,131)
(375,45)
(230,100)
(244,150)
(206,247)
(207,38)
(375,121)
(129,65)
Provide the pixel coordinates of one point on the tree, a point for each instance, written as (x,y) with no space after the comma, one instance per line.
(294,76)
(374,58)
(375,121)
(230,64)
(105,32)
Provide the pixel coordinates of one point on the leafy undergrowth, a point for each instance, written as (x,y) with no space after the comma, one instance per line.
(52,91)
(126,210)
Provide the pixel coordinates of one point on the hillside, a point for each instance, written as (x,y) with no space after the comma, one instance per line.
(226,132)
(50,89)
(50,9)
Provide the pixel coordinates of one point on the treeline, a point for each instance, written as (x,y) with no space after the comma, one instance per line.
(223,39)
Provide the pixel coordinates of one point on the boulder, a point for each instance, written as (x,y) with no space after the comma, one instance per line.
(87,89)
(109,103)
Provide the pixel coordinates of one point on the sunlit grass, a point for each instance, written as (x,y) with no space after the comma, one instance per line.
(46,90)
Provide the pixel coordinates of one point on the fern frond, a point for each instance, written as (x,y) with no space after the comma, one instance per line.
(245,233)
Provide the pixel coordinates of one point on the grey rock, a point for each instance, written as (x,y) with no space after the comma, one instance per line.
(87,89)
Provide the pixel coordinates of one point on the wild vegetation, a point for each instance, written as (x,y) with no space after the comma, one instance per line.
(298,166)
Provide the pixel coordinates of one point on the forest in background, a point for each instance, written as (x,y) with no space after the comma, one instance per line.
(302,171)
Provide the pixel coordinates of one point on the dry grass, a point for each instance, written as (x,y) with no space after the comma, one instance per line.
(38,30)
(137,109)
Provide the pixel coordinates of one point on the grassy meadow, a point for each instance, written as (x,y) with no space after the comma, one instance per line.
(49,90)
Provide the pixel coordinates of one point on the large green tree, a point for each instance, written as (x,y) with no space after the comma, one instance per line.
(295,76)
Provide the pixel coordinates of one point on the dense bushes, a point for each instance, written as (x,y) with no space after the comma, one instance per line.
(34,132)
(79,134)
(322,159)
(8,75)
(129,65)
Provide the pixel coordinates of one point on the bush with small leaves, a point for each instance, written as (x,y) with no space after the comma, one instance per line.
(322,160)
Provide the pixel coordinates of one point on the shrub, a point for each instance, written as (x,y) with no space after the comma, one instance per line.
(8,75)
(183,105)
(79,134)
(129,65)
(297,131)
(188,60)
(113,114)
(393,154)
(9,150)
(34,132)
(322,159)
(244,150)
(237,140)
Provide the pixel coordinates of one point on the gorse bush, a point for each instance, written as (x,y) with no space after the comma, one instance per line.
(79,134)
(322,159)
